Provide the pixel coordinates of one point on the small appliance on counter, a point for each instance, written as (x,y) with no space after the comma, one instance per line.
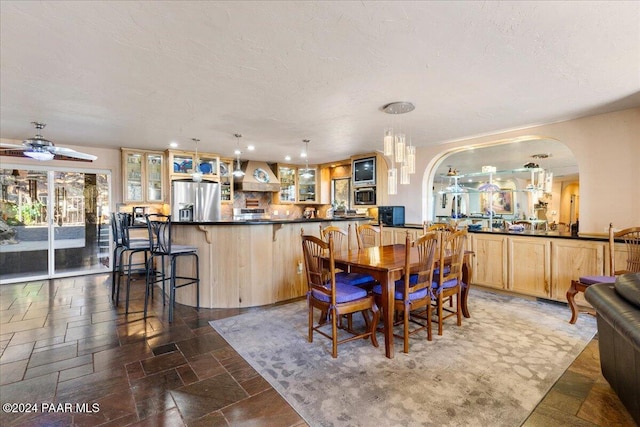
(138,217)
(185,214)
(309,213)
(391,215)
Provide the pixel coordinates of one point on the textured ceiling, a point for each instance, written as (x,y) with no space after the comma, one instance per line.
(142,74)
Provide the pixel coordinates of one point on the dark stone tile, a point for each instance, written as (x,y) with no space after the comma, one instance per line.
(63,352)
(92,387)
(120,356)
(214,419)
(205,366)
(198,399)
(155,405)
(97,343)
(12,372)
(59,366)
(239,368)
(46,333)
(163,362)
(267,408)
(78,371)
(201,344)
(134,370)
(23,325)
(155,385)
(187,374)
(603,407)
(574,384)
(168,418)
(167,348)
(255,385)
(112,407)
(13,353)
(39,389)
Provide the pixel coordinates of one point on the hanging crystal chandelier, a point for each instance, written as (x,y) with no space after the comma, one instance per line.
(397,148)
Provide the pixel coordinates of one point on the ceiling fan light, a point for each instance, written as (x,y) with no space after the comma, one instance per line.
(39,155)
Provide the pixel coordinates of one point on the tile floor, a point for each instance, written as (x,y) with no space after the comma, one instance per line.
(63,341)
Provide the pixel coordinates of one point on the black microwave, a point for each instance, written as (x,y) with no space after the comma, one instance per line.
(364,196)
(364,172)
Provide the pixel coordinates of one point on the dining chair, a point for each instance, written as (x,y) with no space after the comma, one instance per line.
(369,236)
(526,224)
(339,237)
(413,290)
(127,247)
(631,238)
(160,236)
(335,298)
(448,282)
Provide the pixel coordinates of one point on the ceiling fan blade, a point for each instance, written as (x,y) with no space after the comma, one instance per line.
(11,146)
(63,151)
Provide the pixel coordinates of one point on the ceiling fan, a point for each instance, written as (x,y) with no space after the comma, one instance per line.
(42,149)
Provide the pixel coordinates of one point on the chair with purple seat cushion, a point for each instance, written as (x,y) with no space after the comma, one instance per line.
(414,294)
(334,298)
(447,284)
(342,242)
(631,239)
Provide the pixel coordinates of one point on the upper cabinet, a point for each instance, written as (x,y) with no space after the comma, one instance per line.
(143,176)
(183,163)
(226,180)
(297,184)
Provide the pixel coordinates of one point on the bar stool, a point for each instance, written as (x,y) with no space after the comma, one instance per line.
(130,247)
(159,227)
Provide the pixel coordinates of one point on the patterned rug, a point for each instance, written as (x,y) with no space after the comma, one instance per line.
(493,370)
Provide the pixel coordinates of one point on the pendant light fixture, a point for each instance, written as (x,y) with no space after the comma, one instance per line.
(196,176)
(396,147)
(237,172)
(306,173)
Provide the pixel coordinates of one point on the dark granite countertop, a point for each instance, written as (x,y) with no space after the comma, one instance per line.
(274,221)
(531,233)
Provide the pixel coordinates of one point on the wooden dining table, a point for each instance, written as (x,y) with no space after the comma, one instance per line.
(386,265)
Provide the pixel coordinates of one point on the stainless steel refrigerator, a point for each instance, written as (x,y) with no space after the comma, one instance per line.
(195,201)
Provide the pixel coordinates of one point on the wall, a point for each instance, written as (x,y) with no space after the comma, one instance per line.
(606,147)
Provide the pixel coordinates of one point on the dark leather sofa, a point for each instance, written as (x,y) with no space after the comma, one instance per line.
(618,316)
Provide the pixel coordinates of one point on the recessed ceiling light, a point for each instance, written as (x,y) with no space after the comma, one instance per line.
(236,152)
(287,158)
(250,147)
(173,144)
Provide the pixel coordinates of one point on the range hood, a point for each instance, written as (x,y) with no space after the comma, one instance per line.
(258,176)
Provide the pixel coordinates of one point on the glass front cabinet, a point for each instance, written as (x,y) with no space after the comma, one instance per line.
(297,184)
(183,163)
(226,180)
(307,185)
(143,176)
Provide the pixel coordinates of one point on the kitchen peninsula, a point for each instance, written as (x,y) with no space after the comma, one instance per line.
(250,263)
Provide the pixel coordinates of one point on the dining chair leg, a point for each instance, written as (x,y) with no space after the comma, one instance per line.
(197,282)
(334,332)
(374,325)
(114,267)
(147,284)
(172,288)
(429,321)
(406,315)
(126,309)
(120,272)
(440,313)
(310,338)
(458,309)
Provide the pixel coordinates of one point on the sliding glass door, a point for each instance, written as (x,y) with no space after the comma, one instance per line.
(53,223)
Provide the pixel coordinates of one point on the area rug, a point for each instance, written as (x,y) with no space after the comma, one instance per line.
(491,371)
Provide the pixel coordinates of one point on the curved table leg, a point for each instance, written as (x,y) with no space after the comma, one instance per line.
(571,292)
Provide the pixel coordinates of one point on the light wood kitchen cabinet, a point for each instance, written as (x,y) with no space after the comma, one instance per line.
(143,176)
(490,260)
(226,180)
(182,164)
(529,266)
(571,259)
(297,184)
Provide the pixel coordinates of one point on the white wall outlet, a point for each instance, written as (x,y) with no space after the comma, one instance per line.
(275,213)
(299,269)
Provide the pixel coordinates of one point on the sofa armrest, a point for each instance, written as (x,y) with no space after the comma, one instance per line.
(623,316)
